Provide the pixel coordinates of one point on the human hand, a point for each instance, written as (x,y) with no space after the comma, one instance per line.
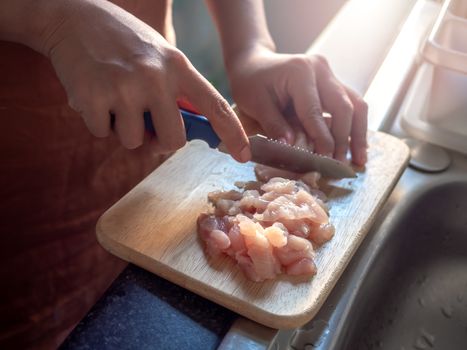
(267,86)
(111,62)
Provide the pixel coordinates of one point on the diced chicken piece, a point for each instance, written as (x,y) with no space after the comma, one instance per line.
(265,173)
(227,207)
(237,243)
(260,251)
(311,179)
(247,226)
(218,242)
(249,185)
(303,266)
(270,196)
(276,235)
(296,248)
(294,207)
(320,234)
(280,185)
(299,228)
(246,265)
(305,199)
(252,201)
(213,231)
(208,223)
(233,195)
(220,239)
(264,261)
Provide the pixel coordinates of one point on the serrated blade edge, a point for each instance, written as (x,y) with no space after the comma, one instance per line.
(281,155)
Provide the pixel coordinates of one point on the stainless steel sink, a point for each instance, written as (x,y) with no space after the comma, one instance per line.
(406,288)
(415,292)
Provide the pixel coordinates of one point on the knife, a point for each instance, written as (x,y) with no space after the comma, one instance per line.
(263,150)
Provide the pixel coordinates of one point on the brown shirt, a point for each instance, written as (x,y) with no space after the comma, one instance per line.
(56,179)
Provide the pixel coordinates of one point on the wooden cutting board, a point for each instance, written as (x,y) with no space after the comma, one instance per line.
(154,227)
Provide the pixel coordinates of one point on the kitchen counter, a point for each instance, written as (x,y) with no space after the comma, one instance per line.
(143,311)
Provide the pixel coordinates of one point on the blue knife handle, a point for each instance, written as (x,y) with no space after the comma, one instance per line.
(196,127)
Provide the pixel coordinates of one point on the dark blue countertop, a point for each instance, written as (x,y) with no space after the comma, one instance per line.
(143,311)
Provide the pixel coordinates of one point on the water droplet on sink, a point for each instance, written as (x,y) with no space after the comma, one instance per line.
(421,301)
(425,340)
(460,297)
(422,279)
(447,311)
(420,344)
(428,337)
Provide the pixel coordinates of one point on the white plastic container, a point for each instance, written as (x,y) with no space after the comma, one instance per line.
(435,108)
(447,43)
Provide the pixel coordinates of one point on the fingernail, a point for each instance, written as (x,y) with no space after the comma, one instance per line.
(362,157)
(289,138)
(245,154)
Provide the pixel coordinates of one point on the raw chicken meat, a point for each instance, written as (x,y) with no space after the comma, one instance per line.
(268,227)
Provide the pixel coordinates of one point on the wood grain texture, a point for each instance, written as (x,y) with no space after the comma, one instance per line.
(154,226)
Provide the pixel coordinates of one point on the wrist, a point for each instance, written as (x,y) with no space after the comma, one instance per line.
(245,55)
(33,22)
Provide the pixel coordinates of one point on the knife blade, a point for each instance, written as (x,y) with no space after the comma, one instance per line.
(284,156)
(264,150)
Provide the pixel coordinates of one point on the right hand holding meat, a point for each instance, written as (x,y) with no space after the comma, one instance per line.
(111,62)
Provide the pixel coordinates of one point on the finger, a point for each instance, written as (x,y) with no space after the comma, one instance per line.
(272,120)
(336,101)
(223,119)
(358,137)
(168,123)
(327,119)
(98,123)
(96,117)
(308,108)
(301,138)
(129,125)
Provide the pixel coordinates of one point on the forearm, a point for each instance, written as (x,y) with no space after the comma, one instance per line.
(242,27)
(30,22)
(158,14)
